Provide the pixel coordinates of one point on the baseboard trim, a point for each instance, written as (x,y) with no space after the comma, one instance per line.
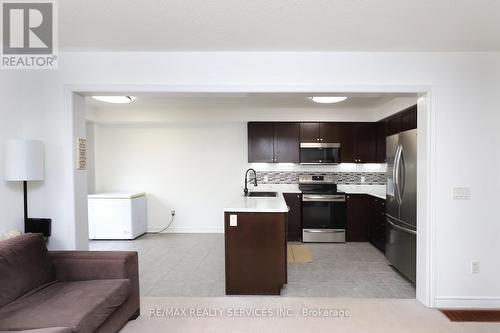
(467,302)
(177,230)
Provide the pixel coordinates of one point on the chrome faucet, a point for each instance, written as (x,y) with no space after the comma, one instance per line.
(245,190)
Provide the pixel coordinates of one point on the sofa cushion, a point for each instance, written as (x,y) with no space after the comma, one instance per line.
(24,265)
(80,305)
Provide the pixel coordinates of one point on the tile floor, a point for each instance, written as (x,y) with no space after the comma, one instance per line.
(193,265)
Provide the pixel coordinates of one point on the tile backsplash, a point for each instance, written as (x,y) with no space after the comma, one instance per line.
(292,177)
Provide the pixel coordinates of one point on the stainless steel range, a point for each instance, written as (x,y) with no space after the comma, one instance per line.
(323,210)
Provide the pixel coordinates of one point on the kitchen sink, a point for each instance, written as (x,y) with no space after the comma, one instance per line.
(263,194)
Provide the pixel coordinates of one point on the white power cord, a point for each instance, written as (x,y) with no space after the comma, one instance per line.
(169,224)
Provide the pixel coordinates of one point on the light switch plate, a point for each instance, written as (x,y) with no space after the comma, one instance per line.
(474,267)
(461,193)
(233,220)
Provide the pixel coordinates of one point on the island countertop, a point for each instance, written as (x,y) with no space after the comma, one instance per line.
(258,204)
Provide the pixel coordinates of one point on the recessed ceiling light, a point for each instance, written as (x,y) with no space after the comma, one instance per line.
(114,99)
(328,99)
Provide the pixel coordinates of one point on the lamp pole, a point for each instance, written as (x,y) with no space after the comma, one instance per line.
(25,191)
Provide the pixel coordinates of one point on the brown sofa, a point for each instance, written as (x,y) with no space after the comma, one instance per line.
(65,291)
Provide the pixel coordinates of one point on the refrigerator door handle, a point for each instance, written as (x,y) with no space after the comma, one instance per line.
(400,228)
(401,181)
(396,175)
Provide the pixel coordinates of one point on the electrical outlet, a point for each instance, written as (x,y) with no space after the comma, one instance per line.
(363,179)
(474,267)
(233,220)
(266,178)
(172,212)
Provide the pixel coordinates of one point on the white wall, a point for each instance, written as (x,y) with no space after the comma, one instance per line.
(393,106)
(195,169)
(465,88)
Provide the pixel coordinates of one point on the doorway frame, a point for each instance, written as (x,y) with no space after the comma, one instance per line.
(426,155)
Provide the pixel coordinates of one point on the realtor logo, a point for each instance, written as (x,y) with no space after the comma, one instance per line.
(29,34)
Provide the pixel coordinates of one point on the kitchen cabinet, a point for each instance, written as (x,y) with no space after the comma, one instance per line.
(321,132)
(286,142)
(401,121)
(255,253)
(377,223)
(347,144)
(260,142)
(365,219)
(360,142)
(365,143)
(294,223)
(309,133)
(381,130)
(357,218)
(409,119)
(273,142)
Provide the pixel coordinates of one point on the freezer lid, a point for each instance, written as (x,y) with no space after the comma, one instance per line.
(117,195)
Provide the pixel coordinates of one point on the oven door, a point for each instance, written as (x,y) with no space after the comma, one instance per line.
(323,217)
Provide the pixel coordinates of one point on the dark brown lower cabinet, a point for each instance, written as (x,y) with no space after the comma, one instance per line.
(377,223)
(357,218)
(366,220)
(255,253)
(294,225)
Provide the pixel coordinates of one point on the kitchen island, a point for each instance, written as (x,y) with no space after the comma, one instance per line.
(255,245)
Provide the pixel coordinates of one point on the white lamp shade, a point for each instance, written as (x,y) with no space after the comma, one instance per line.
(24,160)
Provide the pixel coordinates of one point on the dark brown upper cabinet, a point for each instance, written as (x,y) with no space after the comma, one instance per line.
(409,119)
(347,139)
(273,142)
(381,130)
(279,142)
(320,132)
(330,132)
(309,133)
(401,121)
(365,150)
(286,142)
(261,142)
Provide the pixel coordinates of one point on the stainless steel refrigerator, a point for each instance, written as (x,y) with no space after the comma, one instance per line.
(401,202)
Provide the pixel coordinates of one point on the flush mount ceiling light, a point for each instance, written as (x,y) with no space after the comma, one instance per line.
(114,99)
(328,99)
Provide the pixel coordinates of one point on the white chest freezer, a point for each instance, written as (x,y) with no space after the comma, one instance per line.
(117,215)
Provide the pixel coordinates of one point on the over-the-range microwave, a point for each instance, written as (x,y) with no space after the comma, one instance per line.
(319,153)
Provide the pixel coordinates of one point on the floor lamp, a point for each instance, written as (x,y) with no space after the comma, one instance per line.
(24,161)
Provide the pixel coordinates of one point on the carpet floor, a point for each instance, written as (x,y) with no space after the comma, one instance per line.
(280,314)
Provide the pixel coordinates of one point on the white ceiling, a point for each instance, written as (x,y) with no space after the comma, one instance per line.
(203,107)
(207,101)
(280,25)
